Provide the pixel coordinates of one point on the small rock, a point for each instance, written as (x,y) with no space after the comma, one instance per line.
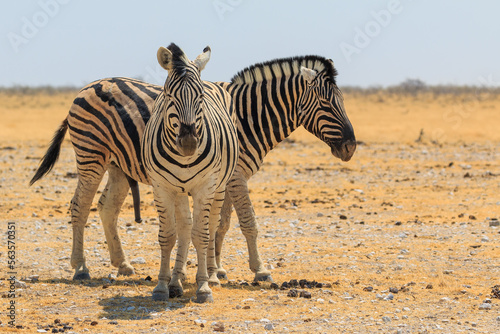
(342,217)
(386,319)
(305,294)
(390,296)
(93,323)
(269,327)
(20,284)
(393,290)
(219,327)
(138,260)
(448,272)
(494,222)
(200,322)
(485,306)
(275,297)
(368,288)
(293,293)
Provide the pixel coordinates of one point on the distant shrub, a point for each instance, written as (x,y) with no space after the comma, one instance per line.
(416,87)
(38,90)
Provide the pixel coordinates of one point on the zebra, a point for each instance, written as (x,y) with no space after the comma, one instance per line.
(108,118)
(189,147)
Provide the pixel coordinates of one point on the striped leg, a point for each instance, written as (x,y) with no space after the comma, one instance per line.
(165,202)
(215,216)
(202,202)
(225,222)
(238,190)
(184,223)
(109,207)
(88,182)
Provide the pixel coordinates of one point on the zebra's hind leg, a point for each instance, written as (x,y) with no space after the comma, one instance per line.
(88,182)
(109,207)
(213,261)
(225,222)
(238,190)
(165,205)
(184,223)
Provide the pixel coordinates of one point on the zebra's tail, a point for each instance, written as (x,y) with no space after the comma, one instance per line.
(50,158)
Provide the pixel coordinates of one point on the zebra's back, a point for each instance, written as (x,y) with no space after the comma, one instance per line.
(106,123)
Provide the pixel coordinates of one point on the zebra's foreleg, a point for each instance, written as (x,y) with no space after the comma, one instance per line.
(238,190)
(165,202)
(184,223)
(202,203)
(109,207)
(225,222)
(215,216)
(80,207)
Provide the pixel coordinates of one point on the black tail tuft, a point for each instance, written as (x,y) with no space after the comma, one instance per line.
(52,154)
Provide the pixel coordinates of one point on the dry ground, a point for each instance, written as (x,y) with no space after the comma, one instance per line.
(403,235)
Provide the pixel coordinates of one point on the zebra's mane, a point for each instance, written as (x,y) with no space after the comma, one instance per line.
(284,67)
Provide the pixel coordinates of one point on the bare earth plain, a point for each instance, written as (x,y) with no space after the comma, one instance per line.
(404,237)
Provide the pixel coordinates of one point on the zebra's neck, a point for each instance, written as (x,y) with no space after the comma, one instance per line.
(268,112)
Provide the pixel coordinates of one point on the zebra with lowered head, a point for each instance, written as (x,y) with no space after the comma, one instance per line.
(189,147)
(271,100)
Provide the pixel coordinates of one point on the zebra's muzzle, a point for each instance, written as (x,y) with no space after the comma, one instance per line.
(187,140)
(343,149)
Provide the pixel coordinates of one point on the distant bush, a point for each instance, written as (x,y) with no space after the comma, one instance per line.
(38,90)
(416,87)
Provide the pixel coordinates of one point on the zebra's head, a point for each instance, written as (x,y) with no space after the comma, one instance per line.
(322,110)
(184,94)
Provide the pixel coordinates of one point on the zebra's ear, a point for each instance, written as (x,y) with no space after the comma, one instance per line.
(164,58)
(308,74)
(203,58)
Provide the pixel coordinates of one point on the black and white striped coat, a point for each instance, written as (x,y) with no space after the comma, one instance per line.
(189,147)
(271,100)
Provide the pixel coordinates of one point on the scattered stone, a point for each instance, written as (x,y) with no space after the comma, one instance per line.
(448,272)
(219,326)
(274,286)
(485,306)
(148,278)
(305,294)
(93,323)
(368,288)
(495,291)
(342,217)
(293,293)
(494,222)
(138,260)
(390,296)
(429,286)
(200,322)
(386,319)
(269,327)
(393,290)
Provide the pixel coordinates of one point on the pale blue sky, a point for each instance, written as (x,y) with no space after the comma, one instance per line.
(73,42)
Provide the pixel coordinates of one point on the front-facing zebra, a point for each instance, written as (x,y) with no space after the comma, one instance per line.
(189,146)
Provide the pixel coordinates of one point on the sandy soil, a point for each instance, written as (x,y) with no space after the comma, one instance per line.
(404,237)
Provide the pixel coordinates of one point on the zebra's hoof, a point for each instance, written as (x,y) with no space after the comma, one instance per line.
(126,270)
(175,291)
(81,276)
(160,295)
(221,274)
(263,278)
(204,297)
